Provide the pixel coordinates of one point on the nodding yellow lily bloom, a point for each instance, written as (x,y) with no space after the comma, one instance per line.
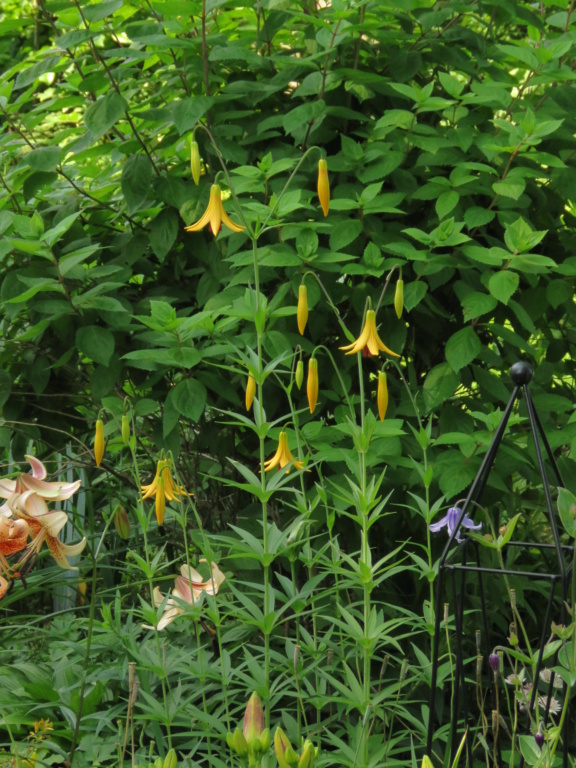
(312,383)
(369,339)
(99,442)
(302,310)
(195,162)
(163,488)
(382,395)
(323,186)
(250,391)
(282,457)
(215,215)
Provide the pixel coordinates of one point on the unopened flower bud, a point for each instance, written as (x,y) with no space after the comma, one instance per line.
(170,761)
(262,743)
(382,395)
(250,391)
(160,500)
(195,162)
(323,186)
(158,763)
(299,375)
(285,754)
(539,739)
(237,742)
(253,720)
(307,756)
(121,522)
(494,661)
(99,442)
(126,429)
(426,762)
(312,383)
(399,298)
(302,309)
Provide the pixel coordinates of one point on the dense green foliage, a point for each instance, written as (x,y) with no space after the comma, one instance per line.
(448,128)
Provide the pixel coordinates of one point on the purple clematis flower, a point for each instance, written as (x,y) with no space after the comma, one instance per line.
(450,521)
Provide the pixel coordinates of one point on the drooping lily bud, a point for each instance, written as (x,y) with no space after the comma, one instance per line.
(160,500)
(253,720)
(195,162)
(126,429)
(302,310)
(323,186)
(99,442)
(399,298)
(299,376)
(250,391)
(121,522)
(382,395)
(312,383)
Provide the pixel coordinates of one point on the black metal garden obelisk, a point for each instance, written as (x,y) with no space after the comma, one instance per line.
(462,572)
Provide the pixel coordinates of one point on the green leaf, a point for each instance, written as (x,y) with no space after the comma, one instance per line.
(163,232)
(136,178)
(189,398)
(96,343)
(53,235)
(297,118)
(462,347)
(28,76)
(478,217)
(503,284)
(476,304)
(44,158)
(510,187)
(105,113)
(520,237)
(189,111)
(567,511)
(5,386)
(446,203)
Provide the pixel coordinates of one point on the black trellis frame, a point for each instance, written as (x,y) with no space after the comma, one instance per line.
(521,374)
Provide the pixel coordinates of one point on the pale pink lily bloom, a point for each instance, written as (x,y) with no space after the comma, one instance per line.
(44,526)
(52,491)
(190,588)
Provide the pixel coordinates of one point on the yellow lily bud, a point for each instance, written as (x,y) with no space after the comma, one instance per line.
(170,761)
(382,395)
(250,391)
(284,752)
(312,383)
(262,743)
(426,762)
(323,186)
(399,298)
(121,522)
(99,442)
(160,500)
(195,162)
(299,376)
(126,429)
(302,311)
(158,763)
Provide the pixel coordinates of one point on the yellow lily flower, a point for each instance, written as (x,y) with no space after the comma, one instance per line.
(163,488)
(369,339)
(190,587)
(215,215)
(312,383)
(282,457)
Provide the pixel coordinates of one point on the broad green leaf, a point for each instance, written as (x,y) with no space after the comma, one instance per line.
(520,237)
(96,343)
(5,386)
(476,304)
(104,113)
(478,217)
(52,236)
(189,111)
(44,158)
(136,178)
(567,511)
(189,398)
(510,187)
(29,75)
(163,232)
(462,347)
(446,203)
(503,284)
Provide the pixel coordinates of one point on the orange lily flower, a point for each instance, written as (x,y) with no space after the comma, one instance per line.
(36,482)
(13,538)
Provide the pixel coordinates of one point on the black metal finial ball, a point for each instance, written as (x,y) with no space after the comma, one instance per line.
(521,373)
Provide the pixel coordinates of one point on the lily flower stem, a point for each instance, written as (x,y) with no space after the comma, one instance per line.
(331,304)
(426,487)
(387,283)
(366,558)
(260,407)
(142,515)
